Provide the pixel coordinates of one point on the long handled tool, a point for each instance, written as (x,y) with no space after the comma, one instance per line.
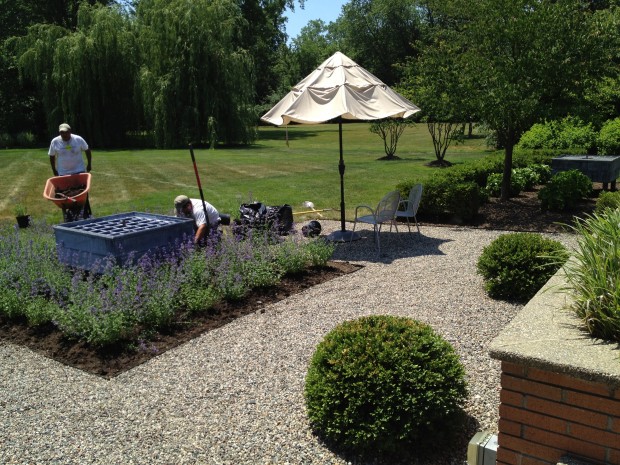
(310,205)
(202,196)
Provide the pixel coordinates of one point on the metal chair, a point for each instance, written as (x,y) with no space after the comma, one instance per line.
(384,213)
(410,206)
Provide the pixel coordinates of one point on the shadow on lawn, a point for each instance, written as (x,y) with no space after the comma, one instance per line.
(294,133)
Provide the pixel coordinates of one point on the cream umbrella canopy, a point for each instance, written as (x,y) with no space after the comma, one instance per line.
(339,89)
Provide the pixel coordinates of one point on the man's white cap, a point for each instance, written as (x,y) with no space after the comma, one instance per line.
(64,127)
(180,201)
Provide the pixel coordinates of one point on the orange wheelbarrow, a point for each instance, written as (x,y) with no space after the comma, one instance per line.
(72,205)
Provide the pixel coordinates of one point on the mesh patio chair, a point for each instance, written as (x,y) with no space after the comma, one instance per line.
(410,206)
(384,213)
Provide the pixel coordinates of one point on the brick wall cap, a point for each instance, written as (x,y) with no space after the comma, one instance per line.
(546,335)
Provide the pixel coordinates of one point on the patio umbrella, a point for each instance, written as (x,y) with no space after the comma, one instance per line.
(339,89)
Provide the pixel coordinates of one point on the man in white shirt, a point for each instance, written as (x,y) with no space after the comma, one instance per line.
(66,158)
(66,153)
(192,208)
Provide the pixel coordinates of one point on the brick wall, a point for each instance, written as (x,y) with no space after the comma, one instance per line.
(546,415)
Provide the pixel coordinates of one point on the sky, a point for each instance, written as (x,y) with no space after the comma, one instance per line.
(327,10)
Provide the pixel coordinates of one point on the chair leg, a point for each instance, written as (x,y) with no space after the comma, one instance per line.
(354,224)
(417,226)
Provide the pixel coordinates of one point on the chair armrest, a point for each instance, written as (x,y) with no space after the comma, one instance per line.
(364,206)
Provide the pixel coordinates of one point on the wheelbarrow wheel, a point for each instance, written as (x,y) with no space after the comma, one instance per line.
(80,212)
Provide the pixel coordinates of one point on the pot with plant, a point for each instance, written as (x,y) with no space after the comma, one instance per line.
(22,216)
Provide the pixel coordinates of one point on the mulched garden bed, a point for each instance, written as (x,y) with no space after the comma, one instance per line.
(112,361)
(522,213)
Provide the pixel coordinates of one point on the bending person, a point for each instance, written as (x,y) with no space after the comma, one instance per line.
(192,208)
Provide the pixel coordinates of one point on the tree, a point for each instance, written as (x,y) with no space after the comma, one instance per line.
(261,35)
(380,34)
(194,75)
(311,47)
(434,81)
(390,130)
(86,76)
(20,99)
(526,60)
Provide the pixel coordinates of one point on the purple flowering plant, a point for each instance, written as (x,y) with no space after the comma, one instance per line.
(123,303)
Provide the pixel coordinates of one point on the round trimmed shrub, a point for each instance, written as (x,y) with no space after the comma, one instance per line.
(607,200)
(382,383)
(564,190)
(516,265)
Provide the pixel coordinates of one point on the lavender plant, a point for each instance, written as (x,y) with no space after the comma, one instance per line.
(122,303)
(29,277)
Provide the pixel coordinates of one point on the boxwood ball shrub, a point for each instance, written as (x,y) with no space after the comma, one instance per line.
(564,190)
(383,383)
(516,265)
(607,200)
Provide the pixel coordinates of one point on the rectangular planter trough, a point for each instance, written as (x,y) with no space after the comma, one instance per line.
(123,237)
(605,169)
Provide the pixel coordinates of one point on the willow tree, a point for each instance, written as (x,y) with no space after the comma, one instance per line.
(195,80)
(85,76)
(34,54)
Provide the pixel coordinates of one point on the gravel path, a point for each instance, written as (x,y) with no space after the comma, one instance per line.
(235,395)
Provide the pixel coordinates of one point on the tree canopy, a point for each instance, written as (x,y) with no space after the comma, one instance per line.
(85,76)
(194,76)
(525,60)
(380,34)
(203,70)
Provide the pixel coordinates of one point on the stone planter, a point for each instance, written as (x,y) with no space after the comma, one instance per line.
(604,169)
(123,237)
(560,391)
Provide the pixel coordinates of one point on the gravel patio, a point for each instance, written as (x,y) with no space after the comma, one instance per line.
(235,394)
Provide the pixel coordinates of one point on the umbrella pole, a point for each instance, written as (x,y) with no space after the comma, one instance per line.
(341,171)
(343,235)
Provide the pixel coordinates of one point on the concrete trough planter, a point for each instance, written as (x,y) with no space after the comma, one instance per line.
(560,388)
(604,169)
(125,236)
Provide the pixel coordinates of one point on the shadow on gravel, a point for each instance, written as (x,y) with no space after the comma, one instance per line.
(394,246)
(431,450)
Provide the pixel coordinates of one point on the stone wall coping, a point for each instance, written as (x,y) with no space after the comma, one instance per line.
(545,334)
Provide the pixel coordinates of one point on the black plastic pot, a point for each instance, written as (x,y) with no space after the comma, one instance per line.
(23,221)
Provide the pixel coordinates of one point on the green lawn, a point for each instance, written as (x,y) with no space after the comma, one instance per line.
(274,173)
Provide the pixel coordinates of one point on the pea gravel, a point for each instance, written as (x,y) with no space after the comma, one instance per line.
(235,395)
